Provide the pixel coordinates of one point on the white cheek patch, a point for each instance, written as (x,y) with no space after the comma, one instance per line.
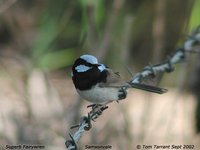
(82,68)
(101,67)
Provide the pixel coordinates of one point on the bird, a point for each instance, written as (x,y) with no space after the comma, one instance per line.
(99,84)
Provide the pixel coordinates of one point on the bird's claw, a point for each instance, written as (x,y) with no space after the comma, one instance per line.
(96,111)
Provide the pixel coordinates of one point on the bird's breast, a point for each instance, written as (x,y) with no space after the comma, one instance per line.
(100,95)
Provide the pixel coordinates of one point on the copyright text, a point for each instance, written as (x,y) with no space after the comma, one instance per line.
(166,147)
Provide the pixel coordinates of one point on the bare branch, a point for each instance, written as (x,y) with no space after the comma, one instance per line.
(192,44)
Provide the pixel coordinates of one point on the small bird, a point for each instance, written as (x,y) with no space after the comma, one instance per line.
(99,84)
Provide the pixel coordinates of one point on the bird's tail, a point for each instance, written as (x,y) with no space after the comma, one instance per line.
(148,88)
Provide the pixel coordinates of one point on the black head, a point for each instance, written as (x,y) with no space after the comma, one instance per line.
(87,72)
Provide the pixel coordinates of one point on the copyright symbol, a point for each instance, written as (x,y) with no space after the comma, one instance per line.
(138,146)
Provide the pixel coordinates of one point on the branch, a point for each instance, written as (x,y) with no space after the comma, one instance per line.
(85,125)
(192,44)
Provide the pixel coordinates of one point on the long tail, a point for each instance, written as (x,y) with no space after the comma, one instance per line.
(148,88)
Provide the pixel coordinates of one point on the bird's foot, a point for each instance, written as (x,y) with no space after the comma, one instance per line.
(97,110)
(93,106)
(122,93)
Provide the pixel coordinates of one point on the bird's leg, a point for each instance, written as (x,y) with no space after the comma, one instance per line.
(97,110)
(94,106)
(122,93)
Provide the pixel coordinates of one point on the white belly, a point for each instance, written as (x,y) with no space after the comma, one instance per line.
(99,95)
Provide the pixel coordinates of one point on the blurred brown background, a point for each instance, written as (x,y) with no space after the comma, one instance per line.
(40,39)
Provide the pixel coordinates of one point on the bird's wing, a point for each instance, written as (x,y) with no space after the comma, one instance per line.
(113,80)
